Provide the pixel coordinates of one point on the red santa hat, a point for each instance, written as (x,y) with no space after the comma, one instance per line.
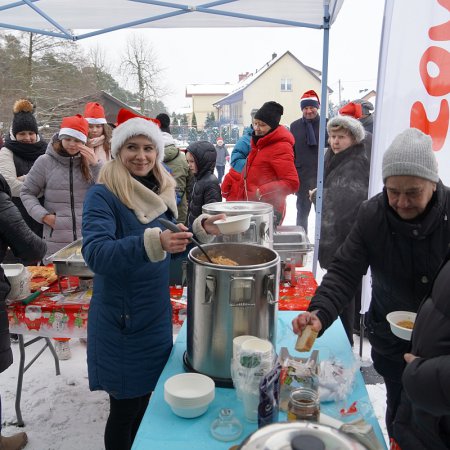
(351,109)
(76,127)
(219,139)
(94,113)
(310,98)
(129,125)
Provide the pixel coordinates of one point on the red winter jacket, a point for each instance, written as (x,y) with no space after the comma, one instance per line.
(230,185)
(270,168)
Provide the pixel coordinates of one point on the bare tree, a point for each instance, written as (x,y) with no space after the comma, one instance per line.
(140,66)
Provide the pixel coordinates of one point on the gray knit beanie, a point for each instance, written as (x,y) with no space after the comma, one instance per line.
(349,123)
(411,154)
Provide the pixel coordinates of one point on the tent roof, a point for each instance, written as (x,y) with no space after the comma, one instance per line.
(58,17)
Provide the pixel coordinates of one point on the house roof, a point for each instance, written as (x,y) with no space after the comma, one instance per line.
(209,89)
(237,94)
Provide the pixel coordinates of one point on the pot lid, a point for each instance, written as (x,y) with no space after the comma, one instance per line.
(235,208)
(295,435)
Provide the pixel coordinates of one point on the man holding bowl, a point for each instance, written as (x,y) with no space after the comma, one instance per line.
(402,234)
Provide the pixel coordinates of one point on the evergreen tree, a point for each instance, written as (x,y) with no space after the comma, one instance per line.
(210,120)
(194,122)
(234,135)
(192,135)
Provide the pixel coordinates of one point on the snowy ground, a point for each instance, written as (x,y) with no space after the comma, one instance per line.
(60,413)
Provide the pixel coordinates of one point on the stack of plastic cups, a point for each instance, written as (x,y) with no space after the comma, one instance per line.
(256,360)
(235,365)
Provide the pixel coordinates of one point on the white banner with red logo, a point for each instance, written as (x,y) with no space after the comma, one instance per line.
(413,81)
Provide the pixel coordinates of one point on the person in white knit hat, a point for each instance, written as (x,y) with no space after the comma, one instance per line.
(124,244)
(403,234)
(345,186)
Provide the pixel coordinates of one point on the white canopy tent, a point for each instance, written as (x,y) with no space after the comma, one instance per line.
(57,17)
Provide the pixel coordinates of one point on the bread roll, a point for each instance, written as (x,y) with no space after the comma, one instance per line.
(306,340)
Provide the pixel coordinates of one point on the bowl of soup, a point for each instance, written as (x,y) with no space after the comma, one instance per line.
(402,323)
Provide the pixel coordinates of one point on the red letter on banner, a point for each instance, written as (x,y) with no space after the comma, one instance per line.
(439,85)
(441,32)
(437,129)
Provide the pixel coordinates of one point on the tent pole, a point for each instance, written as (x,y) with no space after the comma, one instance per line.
(323,115)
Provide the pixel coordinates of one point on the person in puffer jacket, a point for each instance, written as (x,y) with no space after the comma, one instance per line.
(269,174)
(64,174)
(402,234)
(230,183)
(201,157)
(99,137)
(423,417)
(15,234)
(129,250)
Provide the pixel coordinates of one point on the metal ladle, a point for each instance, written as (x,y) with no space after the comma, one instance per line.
(172,227)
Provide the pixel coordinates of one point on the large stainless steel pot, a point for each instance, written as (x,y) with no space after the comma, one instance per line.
(229,301)
(261,225)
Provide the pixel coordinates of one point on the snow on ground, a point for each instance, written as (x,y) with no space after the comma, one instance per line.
(60,413)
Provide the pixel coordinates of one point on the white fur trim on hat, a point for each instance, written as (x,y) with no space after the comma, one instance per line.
(94,121)
(349,123)
(152,244)
(73,133)
(137,127)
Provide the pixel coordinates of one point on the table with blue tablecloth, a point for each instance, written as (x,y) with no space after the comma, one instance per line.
(162,429)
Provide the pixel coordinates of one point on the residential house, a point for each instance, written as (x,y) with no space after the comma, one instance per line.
(203,97)
(283,79)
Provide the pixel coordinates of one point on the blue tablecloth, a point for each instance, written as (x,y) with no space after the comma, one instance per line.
(162,430)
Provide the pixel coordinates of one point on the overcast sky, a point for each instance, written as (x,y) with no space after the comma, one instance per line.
(192,56)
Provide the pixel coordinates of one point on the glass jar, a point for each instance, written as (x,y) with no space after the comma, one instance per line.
(304,404)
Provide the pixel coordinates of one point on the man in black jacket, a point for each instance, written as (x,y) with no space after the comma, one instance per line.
(15,234)
(403,234)
(423,416)
(306,150)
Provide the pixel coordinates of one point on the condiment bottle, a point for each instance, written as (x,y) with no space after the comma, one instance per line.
(293,280)
(304,404)
(287,270)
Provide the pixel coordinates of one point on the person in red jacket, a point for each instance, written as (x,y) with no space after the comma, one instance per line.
(269,174)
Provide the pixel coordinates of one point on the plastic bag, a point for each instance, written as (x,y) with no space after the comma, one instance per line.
(269,397)
(335,380)
(19,279)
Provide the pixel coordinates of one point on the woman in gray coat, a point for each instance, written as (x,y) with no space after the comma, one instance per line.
(64,174)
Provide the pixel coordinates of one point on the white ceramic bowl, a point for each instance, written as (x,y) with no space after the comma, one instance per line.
(395,317)
(189,394)
(234,224)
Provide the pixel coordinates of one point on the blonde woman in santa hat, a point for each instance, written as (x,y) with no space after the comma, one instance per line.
(130,319)
(99,131)
(21,149)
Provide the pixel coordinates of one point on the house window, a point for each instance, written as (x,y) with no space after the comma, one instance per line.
(286,85)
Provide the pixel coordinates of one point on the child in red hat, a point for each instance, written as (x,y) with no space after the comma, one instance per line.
(99,130)
(61,177)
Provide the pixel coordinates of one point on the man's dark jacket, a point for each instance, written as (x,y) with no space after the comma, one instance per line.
(404,257)
(15,234)
(423,417)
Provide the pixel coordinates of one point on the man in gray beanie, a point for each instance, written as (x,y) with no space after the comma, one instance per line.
(402,234)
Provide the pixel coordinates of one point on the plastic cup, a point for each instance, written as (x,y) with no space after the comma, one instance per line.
(237,343)
(255,351)
(250,399)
